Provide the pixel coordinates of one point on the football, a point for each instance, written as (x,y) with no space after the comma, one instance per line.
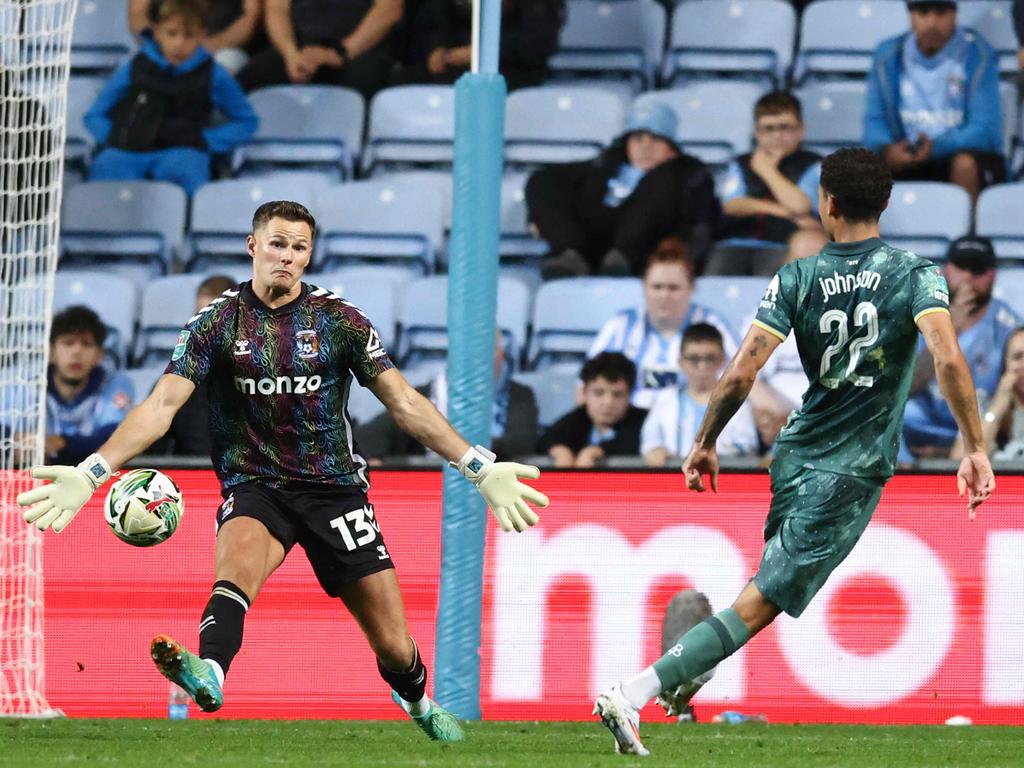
(143,507)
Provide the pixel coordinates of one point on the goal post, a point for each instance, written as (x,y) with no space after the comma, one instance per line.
(35,41)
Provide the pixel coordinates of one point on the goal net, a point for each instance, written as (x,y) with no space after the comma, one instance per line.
(35,39)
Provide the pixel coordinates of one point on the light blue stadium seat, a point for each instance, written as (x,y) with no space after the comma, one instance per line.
(567,314)
(833,113)
(410,126)
(363,405)
(121,222)
(376,299)
(82,92)
(623,39)
(144,379)
(716,117)
(735,299)
(559,124)
(925,216)
(1000,216)
(112,297)
(993,20)
(424,318)
(823,52)
(100,38)
(1009,287)
(516,243)
(1011,116)
(222,215)
(748,38)
(397,221)
(554,390)
(167,304)
(312,127)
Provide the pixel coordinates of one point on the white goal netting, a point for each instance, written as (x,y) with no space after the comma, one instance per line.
(35,38)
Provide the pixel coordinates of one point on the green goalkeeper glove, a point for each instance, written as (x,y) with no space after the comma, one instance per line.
(499,484)
(54,505)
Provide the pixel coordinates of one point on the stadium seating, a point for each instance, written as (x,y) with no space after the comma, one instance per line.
(144,379)
(398,221)
(375,298)
(623,39)
(167,304)
(560,124)
(132,226)
(1011,117)
(311,127)
(555,391)
(993,20)
(516,242)
(222,215)
(833,114)
(424,319)
(113,298)
(716,117)
(735,299)
(82,92)
(1000,216)
(746,38)
(363,405)
(924,216)
(838,37)
(1009,286)
(567,314)
(410,126)
(100,40)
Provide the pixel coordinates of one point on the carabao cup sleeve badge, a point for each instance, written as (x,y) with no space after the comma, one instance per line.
(179,345)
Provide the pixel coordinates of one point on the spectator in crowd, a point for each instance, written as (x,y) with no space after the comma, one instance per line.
(676,414)
(84,401)
(605,424)
(529,37)
(650,336)
(155,115)
(933,102)
(607,214)
(1002,422)
(232,27)
(513,426)
(782,382)
(767,194)
(189,434)
(329,43)
(983,325)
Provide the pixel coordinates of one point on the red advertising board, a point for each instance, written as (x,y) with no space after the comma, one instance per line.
(921,623)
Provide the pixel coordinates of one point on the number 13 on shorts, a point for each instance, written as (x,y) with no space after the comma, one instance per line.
(357,528)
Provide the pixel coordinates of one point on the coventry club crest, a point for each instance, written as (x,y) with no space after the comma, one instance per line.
(308,344)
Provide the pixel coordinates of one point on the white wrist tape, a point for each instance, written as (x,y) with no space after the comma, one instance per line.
(473,461)
(96,469)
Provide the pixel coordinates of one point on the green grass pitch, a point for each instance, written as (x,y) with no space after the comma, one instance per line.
(249,743)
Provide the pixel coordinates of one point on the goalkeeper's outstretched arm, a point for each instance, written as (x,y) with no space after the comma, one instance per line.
(497,482)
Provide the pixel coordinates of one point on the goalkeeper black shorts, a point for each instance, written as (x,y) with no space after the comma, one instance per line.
(335,525)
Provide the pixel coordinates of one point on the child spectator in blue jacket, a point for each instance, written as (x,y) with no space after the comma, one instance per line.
(154,116)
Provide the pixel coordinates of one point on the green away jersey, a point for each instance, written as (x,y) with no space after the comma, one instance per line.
(854,309)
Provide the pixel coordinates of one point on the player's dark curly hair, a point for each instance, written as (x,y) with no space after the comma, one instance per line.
(859,181)
(78,319)
(610,366)
(283,209)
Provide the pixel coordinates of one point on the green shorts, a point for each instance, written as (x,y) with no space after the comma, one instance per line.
(814,522)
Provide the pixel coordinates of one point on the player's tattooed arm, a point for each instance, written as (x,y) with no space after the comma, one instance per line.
(734,386)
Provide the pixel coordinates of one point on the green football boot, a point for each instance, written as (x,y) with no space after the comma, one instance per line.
(188,671)
(439,724)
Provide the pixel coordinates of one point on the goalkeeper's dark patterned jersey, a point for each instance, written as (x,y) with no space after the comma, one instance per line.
(854,309)
(278,383)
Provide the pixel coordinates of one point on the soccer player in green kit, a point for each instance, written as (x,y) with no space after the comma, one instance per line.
(856,309)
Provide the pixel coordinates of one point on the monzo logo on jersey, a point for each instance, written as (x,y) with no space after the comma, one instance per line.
(282,385)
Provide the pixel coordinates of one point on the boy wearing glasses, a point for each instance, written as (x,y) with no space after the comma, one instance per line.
(676,415)
(767,194)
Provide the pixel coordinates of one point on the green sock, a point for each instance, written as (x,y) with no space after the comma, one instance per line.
(700,649)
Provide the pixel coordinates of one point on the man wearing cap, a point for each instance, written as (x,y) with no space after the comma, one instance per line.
(605,215)
(982,323)
(933,102)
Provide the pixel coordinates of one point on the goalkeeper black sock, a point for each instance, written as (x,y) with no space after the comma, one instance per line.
(411,684)
(220,631)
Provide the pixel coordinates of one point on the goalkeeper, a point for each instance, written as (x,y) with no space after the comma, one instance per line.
(278,357)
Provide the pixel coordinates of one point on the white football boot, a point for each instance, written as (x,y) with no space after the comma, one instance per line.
(622,719)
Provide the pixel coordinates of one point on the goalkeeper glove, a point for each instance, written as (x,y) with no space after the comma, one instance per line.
(499,484)
(54,505)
